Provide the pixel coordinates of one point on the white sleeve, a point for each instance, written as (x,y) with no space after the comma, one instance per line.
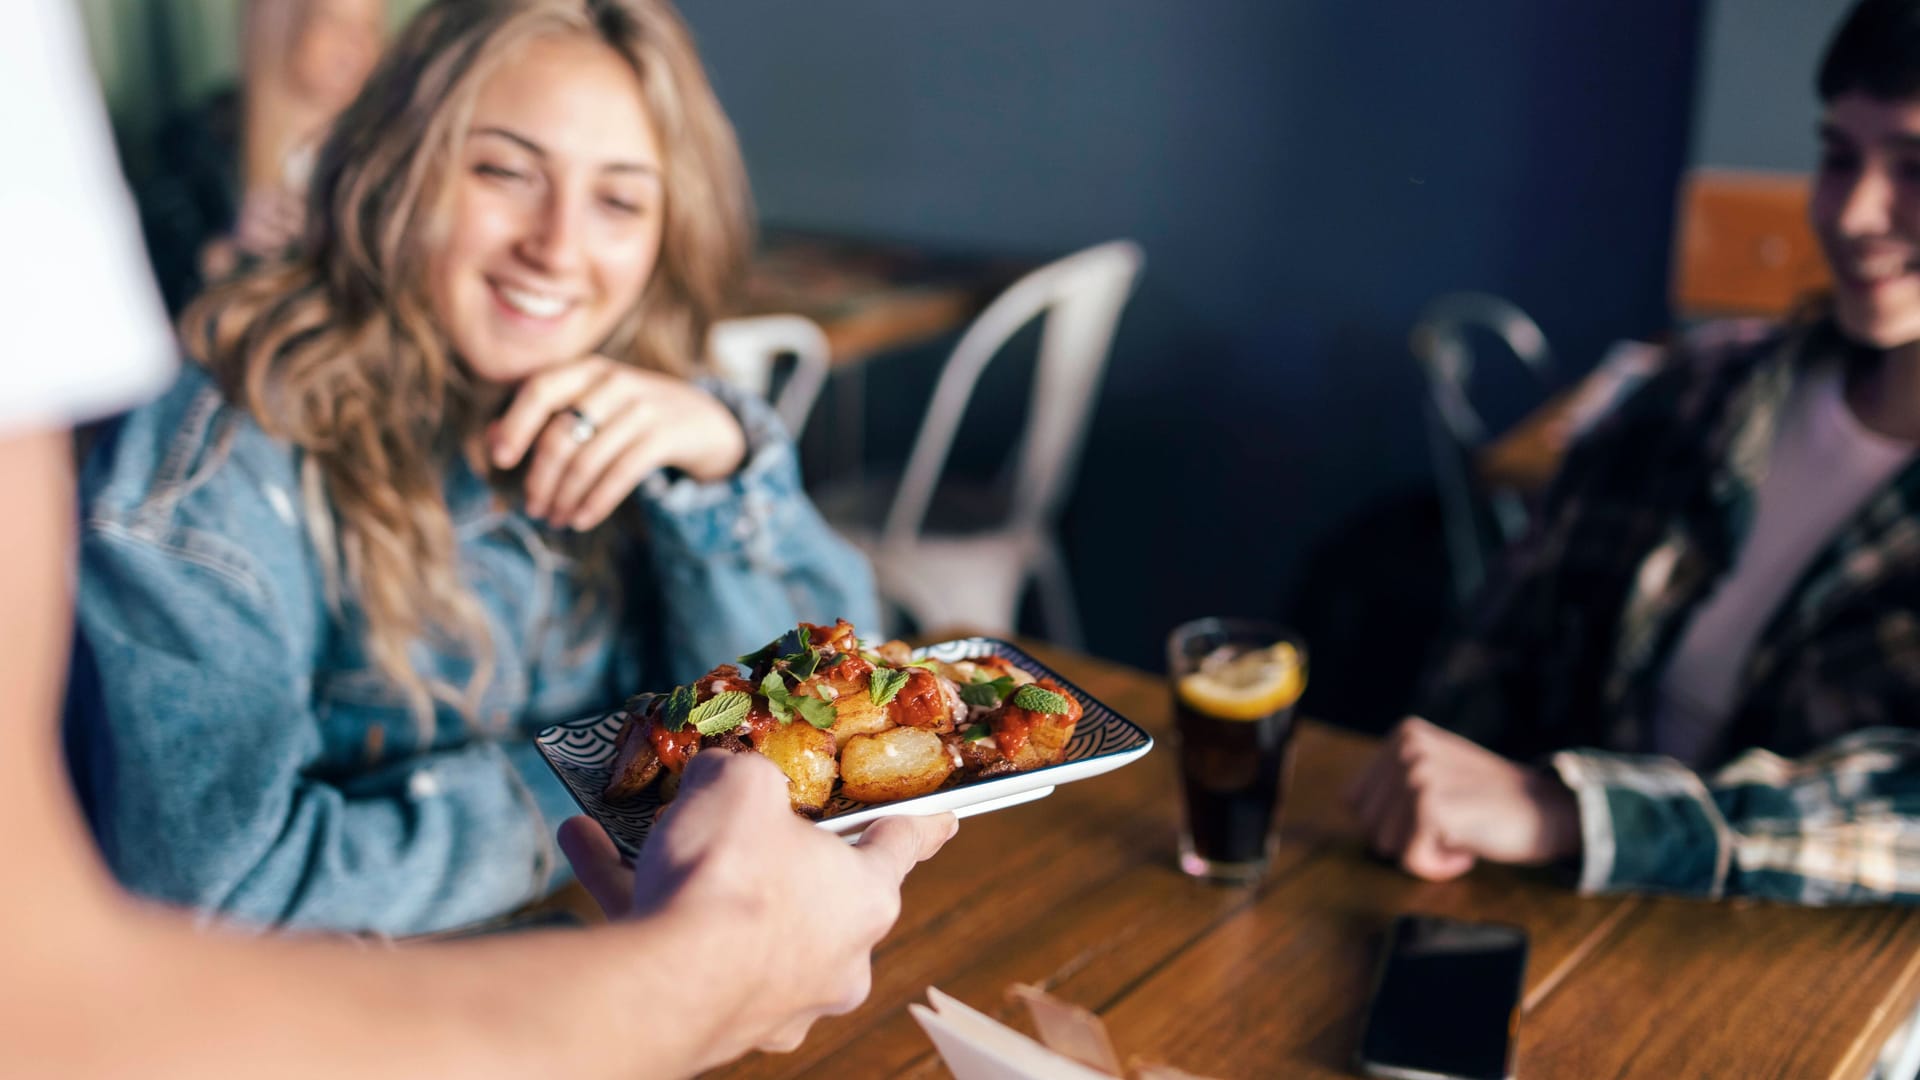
(82,329)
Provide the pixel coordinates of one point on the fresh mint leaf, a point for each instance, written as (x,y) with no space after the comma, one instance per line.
(804,663)
(679,705)
(985,693)
(976,733)
(793,641)
(785,704)
(721,712)
(886,684)
(1041,700)
(779,698)
(805,635)
(814,711)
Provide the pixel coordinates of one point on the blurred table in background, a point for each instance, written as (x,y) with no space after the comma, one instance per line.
(1078,894)
(1527,456)
(871,296)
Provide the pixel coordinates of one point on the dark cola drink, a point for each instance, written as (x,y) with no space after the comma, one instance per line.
(1235,682)
(1231,773)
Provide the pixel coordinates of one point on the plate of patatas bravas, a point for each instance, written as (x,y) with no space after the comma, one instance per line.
(862,731)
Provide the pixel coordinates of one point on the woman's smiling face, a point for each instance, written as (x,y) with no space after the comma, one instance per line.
(556,205)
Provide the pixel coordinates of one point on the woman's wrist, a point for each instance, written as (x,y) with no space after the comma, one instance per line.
(726,452)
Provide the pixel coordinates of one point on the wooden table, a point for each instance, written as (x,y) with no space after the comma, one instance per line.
(1078,894)
(1527,456)
(871,296)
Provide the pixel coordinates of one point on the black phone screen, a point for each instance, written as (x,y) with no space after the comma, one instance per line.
(1446,999)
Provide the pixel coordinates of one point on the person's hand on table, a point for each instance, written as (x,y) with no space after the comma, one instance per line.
(1437,803)
(596,428)
(785,913)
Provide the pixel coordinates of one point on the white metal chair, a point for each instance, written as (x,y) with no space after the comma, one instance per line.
(1478,522)
(966,560)
(746,352)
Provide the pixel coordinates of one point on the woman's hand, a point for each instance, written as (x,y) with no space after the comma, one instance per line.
(1436,803)
(596,428)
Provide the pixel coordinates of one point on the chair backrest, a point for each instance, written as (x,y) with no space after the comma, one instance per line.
(1081,297)
(1477,522)
(1743,245)
(745,351)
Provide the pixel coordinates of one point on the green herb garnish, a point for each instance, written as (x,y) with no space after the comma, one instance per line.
(797,640)
(679,706)
(1041,700)
(976,733)
(784,703)
(721,713)
(803,664)
(984,692)
(814,711)
(779,698)
(886,684)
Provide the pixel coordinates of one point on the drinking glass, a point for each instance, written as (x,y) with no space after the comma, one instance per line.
(1234,682)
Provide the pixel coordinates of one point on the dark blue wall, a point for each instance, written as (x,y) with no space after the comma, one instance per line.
(1303,176)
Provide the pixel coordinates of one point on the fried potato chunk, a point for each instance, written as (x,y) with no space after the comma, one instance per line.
(635,762)
(1030,739)
(901,763)
(848,683)
(984,667)
(856,714)
(896,652)
(926,701)
(806,754)
(836,638)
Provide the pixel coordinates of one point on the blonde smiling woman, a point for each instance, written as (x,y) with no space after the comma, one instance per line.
(442,480)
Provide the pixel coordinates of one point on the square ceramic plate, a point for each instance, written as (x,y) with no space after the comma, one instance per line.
(581,753)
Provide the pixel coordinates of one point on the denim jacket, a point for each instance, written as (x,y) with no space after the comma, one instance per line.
(245,757)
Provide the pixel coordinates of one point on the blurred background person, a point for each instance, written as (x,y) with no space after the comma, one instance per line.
(1711,627)
(230,174)
(439,482)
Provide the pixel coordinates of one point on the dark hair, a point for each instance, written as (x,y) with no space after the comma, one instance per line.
(1876,51)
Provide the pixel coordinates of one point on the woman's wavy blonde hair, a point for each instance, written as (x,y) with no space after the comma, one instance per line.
(338,351)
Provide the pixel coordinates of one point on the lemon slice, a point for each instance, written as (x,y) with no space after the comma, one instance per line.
(1248,687)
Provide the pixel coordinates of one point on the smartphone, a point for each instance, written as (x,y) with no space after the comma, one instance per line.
(1446,1001)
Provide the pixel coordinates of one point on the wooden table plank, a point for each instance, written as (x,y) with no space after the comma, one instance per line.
(869,295)
(1281,989)
(1527,457)
(1694,988)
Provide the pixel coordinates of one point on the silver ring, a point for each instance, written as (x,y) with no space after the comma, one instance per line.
(583,429)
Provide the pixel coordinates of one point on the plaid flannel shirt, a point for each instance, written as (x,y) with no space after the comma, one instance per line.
(1817,796)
